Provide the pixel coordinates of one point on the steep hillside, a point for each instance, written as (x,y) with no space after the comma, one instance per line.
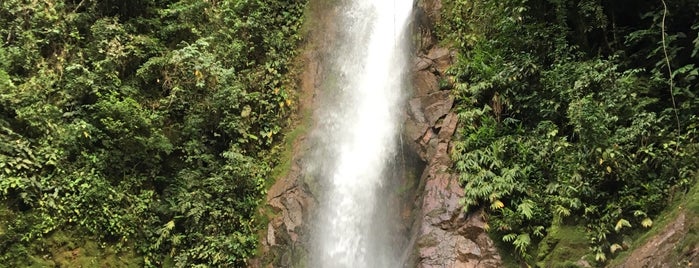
(145,130)
(674,242)
(578,121)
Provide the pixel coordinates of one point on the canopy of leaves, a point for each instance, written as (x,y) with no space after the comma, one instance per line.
(148,123)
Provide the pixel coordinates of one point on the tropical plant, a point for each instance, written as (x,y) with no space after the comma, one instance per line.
(149,125)
(585,120)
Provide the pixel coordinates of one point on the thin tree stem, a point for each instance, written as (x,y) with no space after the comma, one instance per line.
(669,71)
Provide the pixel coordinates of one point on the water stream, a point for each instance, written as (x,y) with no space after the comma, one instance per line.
(360,125)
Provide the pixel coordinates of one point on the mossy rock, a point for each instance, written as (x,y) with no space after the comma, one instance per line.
(563,247)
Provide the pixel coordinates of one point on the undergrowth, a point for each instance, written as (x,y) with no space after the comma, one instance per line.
(573,120)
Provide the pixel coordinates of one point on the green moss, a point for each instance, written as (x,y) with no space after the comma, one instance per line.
(562,247)
(408,185)
(691,240)
(299,257)
(692,200)
(5,216)
(69,249)
(287,150)
(412,170)
(285,155)
(297,126)
(313,184)
(509,260)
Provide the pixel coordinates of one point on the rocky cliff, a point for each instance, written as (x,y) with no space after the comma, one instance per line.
(437,231)
(443,234)
(290,201)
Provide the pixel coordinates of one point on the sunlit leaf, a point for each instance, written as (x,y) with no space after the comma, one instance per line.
(497,205)
(639,213)
(615,247)
(600,257)
(621,224)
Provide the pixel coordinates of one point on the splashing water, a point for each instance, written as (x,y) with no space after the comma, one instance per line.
(361,129)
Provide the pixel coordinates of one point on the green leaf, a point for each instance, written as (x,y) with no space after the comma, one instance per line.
(600,257)
(522,242)
(647,223)
(539,231)
(561,210)
(526,208)
(169,225)
(246,111)
(509,237)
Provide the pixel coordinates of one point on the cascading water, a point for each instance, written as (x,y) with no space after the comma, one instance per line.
(359,125)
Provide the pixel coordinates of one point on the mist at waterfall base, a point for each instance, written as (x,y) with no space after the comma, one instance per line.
(358,130)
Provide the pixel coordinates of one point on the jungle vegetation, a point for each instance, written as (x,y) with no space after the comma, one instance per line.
(574,113)
(152,126)
(149,126)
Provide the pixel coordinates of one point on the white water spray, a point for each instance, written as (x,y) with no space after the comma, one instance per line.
(361,128)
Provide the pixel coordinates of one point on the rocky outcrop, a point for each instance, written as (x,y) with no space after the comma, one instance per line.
(443,234)
(285,240)
(440,234)
(654,253)
(674,245)
(290,201)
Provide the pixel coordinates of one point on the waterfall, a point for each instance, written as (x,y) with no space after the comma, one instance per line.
(359,126)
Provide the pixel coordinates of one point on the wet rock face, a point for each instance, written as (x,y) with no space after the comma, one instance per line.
(291,205)
(285,240)
(290,201)
(443,234)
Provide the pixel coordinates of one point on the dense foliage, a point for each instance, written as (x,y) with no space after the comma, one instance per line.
(575,112)
(145,123)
